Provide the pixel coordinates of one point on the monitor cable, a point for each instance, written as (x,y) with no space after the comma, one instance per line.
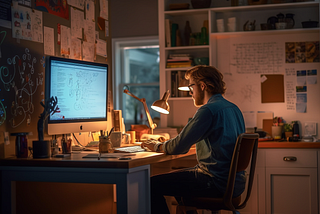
(77,140)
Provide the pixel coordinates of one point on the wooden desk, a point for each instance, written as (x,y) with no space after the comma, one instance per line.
(132,177)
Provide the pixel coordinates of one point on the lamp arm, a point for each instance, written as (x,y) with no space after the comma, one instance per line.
(143,100)
(151,124)
(126,91)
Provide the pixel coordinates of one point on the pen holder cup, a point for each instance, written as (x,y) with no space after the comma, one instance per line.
(41,149)
(105,145)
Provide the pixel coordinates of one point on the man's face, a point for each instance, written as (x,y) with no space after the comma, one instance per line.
(196,92)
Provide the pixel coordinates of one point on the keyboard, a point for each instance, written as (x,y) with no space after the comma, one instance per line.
(129,149)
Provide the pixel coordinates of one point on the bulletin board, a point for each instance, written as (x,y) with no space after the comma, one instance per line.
(22,55)
(272,88)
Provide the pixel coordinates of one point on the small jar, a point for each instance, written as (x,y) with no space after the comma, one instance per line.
(105,145)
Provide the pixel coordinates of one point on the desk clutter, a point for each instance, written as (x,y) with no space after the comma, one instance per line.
(275,128)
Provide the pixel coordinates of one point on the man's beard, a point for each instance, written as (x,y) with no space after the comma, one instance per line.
(199,100)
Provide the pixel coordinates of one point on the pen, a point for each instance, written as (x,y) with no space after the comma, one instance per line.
(111,131)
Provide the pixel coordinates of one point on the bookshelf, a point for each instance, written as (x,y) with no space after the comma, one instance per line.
(303,11)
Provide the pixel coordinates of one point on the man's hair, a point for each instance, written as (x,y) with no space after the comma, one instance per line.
(209,75)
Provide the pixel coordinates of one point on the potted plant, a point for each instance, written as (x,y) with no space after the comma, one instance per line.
(288,127)
(41,147)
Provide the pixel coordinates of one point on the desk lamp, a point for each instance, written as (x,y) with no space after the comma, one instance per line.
(161,106)
(183,85)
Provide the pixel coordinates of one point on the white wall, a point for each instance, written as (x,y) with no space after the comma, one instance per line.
(245,89)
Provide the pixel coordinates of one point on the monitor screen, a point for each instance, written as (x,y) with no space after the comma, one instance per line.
(82,91)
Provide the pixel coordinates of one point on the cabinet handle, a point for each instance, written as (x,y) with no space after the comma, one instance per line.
(290,158)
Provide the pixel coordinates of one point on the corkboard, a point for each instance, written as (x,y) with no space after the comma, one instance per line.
(272,88)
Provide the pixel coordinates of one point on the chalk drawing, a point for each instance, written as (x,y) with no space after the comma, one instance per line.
(3,115)
(19,75)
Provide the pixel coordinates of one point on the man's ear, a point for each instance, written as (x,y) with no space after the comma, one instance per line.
(203,86)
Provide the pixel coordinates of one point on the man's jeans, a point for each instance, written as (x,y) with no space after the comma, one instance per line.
(180,183)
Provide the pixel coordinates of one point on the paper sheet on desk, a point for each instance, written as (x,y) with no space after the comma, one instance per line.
(108,155)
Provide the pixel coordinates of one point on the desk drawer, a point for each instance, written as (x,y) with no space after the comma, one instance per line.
(291,158)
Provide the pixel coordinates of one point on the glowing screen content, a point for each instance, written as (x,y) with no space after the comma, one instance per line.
(81,88)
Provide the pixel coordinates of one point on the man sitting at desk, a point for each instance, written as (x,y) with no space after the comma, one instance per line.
(214,129)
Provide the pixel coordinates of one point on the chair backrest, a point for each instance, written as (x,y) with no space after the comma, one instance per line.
(245,150)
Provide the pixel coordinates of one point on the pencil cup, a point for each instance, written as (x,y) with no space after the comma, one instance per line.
(105,145)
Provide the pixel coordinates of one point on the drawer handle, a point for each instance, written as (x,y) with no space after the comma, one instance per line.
(290,158)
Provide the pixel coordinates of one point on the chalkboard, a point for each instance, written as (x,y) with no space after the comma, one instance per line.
(21,82)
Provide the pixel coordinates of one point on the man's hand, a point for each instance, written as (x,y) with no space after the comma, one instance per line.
(150,145)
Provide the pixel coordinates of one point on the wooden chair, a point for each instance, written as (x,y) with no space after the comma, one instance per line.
(245,150)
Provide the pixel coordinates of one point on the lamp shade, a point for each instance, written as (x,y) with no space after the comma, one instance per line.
(183,85)
(162,105)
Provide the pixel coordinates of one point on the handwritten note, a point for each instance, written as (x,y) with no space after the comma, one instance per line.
(256,57)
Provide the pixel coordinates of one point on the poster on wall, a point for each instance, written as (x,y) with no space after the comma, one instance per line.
(26,23)
(302,52)
(58,8)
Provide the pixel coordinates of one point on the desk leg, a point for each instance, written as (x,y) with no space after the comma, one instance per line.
(133,191)
(8,194)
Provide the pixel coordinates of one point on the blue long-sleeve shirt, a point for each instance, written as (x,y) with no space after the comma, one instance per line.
(214,129)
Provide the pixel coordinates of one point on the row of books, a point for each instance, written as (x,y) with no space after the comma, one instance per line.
(172,34)
(179,61)
(177,79)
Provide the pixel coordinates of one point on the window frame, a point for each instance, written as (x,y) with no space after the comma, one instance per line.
(118,68)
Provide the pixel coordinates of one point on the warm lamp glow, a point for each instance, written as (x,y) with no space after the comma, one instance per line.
(183,88)
(183,85)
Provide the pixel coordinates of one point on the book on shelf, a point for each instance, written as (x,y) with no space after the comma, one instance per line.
(168,32)
(179,64)
(177,78)
(174,87)
(179,61)
(174,28)
(180,57)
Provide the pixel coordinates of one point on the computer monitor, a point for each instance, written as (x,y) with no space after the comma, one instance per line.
(82,91)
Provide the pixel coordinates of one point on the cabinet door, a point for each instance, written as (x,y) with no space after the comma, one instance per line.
(291,190)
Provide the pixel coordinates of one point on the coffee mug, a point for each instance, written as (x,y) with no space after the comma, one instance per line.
(116,138)
(126,138)
(119,138)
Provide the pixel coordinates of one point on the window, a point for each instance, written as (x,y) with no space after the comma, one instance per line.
(136,68)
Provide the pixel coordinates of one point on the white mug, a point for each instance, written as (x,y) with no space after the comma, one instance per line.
(220,25)
(119,138)
(116,139)
(232,24)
